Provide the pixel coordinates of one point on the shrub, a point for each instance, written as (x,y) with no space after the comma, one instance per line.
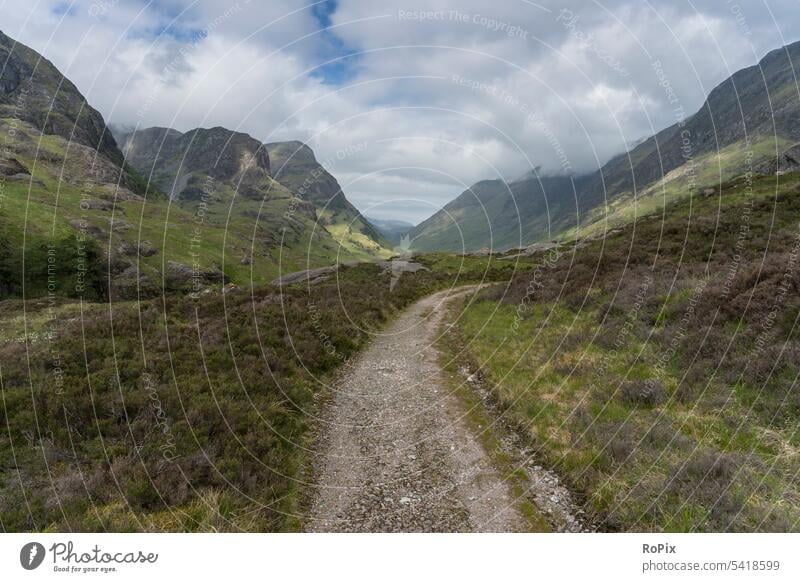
(647,393)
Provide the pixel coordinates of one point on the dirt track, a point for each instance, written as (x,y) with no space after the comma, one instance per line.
(396,455)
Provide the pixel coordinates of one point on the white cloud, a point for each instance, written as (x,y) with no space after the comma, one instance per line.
(442,99)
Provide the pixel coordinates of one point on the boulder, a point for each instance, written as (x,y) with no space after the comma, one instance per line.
(12,167)
(315,275)
(397,266)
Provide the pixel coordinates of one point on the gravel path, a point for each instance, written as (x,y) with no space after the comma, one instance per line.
(396,455)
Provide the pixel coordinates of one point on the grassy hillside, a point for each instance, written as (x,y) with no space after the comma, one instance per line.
(657,369)
(748,121)
(144,245)
(295,166)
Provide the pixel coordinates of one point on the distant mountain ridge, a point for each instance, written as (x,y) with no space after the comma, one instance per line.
(186,212)
(747,120)
(392,230)
(180,164)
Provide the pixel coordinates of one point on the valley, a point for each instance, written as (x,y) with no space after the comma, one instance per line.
(200,332)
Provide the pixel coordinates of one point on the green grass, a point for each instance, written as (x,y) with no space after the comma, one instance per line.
(251,241)
(663,421)
(178,414)
(709,171)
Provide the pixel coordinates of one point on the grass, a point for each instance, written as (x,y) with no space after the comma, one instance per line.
(650,368)
(251,241)
(709,169)
(178,414)
(489,431)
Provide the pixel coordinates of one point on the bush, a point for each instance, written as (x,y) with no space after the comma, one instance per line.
(646,393)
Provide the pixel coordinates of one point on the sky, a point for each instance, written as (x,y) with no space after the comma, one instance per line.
(408,102)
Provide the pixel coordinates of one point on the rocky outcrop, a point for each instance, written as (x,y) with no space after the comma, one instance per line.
(131,283)
(33,90)
(12,167)
(310,275)
(787,161)
(191,165)
(179,276)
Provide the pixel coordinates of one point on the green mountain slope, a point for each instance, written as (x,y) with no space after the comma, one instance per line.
(33,92)
(295,166)
(746,122)
(656,369)
(392,230)
(113,233)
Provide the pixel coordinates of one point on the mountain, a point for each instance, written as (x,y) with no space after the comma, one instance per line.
(34,93)
(746,122)
(181,163)
(392,230)
(296,167)
(209,212)
(498,215)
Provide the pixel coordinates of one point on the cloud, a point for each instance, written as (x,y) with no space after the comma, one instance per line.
(437,94)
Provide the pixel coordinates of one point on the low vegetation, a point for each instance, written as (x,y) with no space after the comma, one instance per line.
(179,413)
(657,369)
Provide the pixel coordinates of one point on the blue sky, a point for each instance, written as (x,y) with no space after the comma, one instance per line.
(336,58)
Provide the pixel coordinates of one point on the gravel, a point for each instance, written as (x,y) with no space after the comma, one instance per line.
(395,454)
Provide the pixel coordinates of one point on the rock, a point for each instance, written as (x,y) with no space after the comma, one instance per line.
(399,266)
(180,276)
(12,167)
(96,205)
(117,265)
(26,178)
(120,226)
(132,284)
(787,161)
(146,249)
(315,275)
(87,228)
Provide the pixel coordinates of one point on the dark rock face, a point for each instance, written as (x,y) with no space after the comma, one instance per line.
(12,167)
(295,166)
(34,91)
(787,161)
(187,165)
(143,149)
